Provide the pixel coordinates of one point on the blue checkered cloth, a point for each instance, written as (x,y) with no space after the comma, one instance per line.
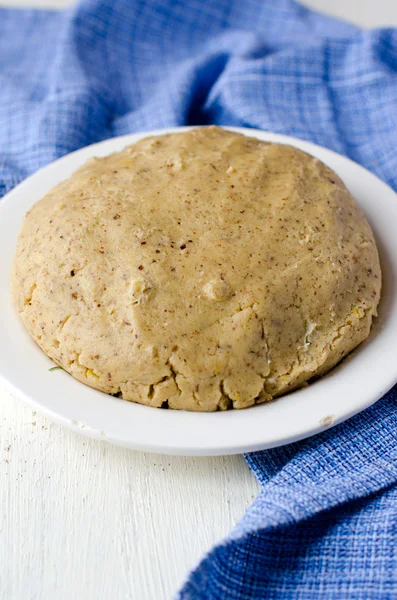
(325,523)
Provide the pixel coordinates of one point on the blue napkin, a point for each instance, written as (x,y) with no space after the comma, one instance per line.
(325,523)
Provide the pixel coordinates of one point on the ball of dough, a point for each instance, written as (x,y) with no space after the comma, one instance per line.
(202,270)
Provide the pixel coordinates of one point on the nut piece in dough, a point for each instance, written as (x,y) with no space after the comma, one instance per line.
(218,290)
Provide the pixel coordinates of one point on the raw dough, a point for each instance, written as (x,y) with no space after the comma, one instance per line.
(202,270)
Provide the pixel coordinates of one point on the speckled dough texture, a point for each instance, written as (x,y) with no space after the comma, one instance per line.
(202,270)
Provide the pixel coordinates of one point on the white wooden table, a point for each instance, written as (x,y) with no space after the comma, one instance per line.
(81,519)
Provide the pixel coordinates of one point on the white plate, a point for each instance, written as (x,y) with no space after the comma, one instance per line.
(356,384)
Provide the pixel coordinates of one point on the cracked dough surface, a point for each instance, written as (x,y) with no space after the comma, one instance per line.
(202,270)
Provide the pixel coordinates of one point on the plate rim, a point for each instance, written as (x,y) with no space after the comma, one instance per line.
(170,447)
